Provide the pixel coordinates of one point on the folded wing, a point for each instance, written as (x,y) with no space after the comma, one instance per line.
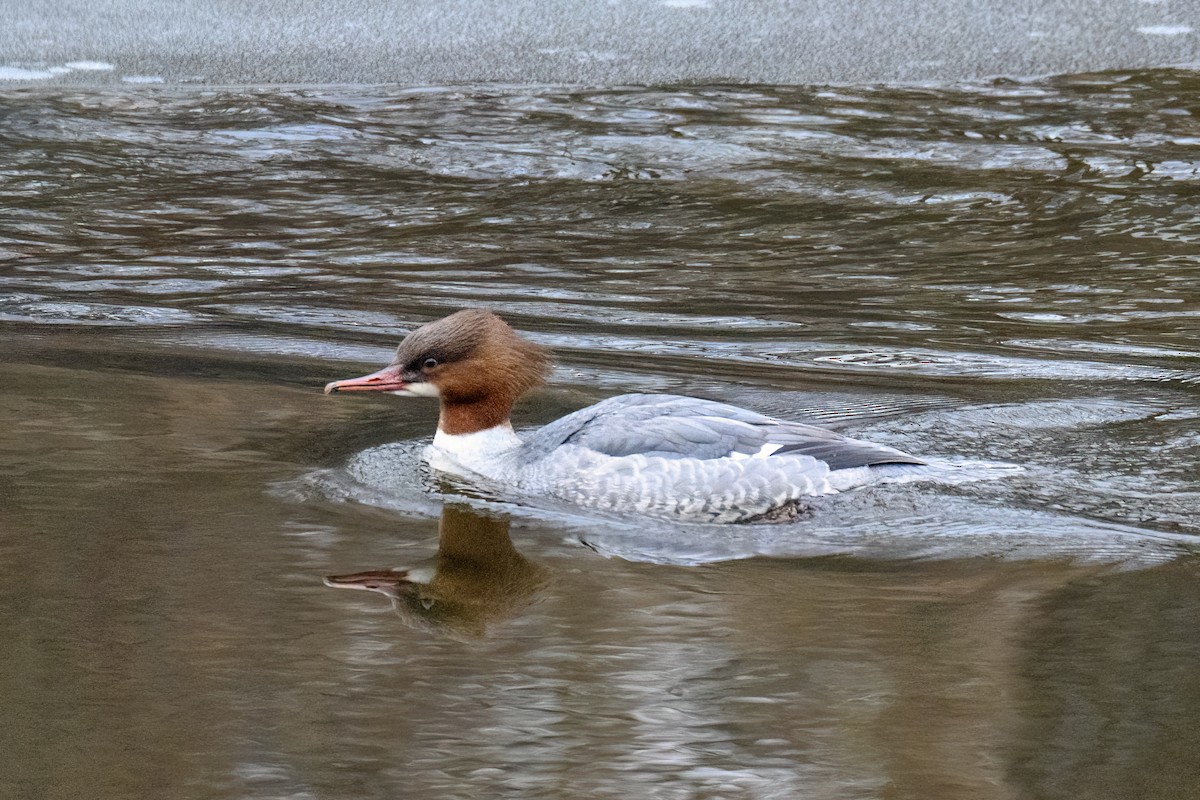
(672,427)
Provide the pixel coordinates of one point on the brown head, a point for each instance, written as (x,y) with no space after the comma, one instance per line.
(471,360)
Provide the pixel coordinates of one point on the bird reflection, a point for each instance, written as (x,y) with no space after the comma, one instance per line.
(477,579)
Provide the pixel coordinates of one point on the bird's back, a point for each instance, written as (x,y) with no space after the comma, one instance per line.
(691,458)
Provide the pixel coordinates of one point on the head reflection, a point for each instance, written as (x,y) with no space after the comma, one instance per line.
(477,579)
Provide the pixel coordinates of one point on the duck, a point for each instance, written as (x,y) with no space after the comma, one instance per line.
(659,455)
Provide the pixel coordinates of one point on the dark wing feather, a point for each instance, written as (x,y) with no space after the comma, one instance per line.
(844,453)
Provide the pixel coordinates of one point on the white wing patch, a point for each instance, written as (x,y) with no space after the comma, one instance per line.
(764,451)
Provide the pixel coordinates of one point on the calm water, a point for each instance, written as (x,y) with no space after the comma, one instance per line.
(1004,272)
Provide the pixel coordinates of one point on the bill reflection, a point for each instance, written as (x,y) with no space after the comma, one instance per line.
(476,581)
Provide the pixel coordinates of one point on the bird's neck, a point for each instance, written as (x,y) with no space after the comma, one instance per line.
(459,417)
(478,449)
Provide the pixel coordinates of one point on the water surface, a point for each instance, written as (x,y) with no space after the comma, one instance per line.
(1002,272)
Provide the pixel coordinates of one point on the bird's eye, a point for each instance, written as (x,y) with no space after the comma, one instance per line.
(430,363)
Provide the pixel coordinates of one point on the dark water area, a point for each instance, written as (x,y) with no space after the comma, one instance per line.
(1004,272)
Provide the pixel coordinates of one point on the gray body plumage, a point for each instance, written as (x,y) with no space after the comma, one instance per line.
(684,457)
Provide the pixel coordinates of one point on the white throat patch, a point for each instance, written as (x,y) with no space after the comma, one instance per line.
(477,451)
(421,389)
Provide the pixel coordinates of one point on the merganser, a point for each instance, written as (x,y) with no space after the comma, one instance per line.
(657,454)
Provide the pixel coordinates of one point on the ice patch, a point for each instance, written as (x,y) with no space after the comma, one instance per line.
(141,79)
(89,66)
(22,74)
(11,73)
(1164,30)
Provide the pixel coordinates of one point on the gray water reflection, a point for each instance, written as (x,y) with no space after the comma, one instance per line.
(1003,272)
